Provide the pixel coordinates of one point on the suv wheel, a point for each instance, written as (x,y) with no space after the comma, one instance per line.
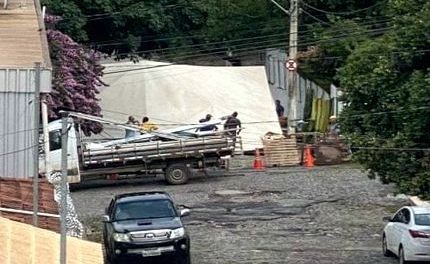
(177,174)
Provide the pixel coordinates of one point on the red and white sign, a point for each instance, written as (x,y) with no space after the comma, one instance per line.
(291,65)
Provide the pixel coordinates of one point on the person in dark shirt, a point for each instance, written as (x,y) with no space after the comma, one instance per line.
(233,123)
(233,127)
(279,108)
(208,127)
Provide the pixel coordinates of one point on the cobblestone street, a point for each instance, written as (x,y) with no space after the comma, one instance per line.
(292,215)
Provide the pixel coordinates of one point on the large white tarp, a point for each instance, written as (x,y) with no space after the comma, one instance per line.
(182,94)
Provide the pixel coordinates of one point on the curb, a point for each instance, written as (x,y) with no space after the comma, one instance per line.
(415,200)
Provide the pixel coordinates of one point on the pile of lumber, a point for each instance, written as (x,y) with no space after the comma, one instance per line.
(17,194)
(23,243)
(280,151)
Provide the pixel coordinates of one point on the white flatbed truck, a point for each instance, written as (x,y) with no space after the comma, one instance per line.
(167,151)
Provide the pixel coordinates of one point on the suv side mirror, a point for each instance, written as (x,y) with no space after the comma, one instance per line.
(185,212)
(106,218)
(387,219)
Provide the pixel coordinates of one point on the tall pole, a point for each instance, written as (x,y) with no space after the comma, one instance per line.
(46,135)
(63,212)
(36,105)
(292,74)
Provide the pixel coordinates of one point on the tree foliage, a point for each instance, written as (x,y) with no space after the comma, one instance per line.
(386,83)
(76,78)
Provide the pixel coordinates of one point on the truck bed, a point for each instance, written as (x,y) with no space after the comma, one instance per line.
(156,151)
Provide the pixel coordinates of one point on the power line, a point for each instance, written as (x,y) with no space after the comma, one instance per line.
(219,42)
(390,112)
(391,148)
(255,48)
(344,13)
(232,40)
(16,132)
(18,151)
(240,54)
(107,42)
(315,18)
(271,121)
(302,44)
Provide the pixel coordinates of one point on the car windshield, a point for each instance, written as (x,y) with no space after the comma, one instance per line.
(144,210)
(422,219)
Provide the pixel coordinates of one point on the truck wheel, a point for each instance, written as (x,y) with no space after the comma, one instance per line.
(177,174)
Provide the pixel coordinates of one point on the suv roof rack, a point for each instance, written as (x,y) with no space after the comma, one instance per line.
(123,195)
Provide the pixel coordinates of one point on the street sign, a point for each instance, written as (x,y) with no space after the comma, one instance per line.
(291,65)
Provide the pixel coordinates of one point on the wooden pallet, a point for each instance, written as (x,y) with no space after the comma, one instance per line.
(280,151)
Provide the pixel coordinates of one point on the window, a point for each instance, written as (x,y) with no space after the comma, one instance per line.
(406,216)
(144,210)
(55,140)
(398,217)
(422,219)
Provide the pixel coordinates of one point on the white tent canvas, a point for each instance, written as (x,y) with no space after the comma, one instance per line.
(182,94)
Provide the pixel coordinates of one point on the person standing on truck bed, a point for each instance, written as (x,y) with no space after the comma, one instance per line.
(131,121)
(147,126)
(233,126)
(208,127)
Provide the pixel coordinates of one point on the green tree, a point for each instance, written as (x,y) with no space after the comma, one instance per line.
(386,86)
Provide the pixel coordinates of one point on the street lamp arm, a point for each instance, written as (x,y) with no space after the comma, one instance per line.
(280,7)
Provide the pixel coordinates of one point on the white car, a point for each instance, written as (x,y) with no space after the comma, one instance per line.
(407,235)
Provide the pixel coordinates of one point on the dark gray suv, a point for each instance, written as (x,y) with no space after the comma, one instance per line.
(145,226)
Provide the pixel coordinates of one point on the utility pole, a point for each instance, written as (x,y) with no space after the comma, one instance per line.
(64,193)
(292,74)
(36,105)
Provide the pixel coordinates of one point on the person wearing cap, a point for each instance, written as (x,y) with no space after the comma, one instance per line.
(334,127)
(208,127)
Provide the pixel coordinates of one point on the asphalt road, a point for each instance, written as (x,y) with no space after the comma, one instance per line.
(293,215)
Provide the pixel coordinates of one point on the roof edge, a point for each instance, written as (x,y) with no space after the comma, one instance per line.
(43,37)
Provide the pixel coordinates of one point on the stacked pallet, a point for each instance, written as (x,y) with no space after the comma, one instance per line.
(18,194)
(280,151)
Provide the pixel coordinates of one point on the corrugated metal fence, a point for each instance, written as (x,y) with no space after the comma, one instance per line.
(17,93)
(278,82)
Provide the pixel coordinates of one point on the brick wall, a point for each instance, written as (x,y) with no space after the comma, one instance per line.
(18,194)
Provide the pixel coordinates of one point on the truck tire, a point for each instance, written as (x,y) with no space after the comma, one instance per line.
(177,174)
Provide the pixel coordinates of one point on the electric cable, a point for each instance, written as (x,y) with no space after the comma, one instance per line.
(343,13)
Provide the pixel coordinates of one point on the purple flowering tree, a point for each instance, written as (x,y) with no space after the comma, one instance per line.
(76,77)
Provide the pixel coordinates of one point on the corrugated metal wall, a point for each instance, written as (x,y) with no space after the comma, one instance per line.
(16,122)
(278,81)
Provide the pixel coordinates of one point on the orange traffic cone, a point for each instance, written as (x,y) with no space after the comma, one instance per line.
(309,159)
(258,162)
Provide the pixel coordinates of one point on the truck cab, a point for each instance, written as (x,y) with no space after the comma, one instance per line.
(51,161)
